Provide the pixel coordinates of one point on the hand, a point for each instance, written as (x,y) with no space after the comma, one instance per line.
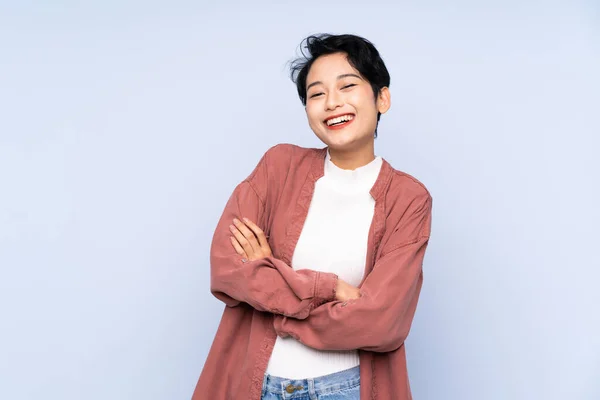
(249,240)
(345,291)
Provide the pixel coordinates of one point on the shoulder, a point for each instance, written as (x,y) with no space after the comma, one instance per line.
(406,186)
(287,153)
(278,162)
(280,159)
(408,206)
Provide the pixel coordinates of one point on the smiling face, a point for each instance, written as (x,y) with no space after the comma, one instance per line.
(341,106)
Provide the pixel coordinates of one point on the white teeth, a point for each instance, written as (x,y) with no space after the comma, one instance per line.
(337,120)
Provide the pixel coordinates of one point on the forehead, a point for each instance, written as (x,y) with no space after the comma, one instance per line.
(330,67)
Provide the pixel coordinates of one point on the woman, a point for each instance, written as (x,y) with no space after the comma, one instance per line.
(318,254)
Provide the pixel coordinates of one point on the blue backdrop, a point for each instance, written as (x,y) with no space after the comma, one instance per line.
(124,127)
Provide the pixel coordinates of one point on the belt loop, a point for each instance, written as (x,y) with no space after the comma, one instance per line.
(264,385)
(311,389)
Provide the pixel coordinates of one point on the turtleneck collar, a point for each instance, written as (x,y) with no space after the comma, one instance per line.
(360,178)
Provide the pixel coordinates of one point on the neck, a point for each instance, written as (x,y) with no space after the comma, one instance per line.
(352,159)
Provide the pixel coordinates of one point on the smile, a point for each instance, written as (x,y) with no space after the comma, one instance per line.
(339,121)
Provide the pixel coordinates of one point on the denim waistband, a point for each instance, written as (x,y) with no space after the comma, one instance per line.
(290,388)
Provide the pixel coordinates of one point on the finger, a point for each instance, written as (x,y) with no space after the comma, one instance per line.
(241,239)
(237,247)
(262,239)
(248,234)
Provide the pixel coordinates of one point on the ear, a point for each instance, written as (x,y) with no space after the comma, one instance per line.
(384,100)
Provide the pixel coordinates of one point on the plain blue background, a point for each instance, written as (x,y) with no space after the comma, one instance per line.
(124,127)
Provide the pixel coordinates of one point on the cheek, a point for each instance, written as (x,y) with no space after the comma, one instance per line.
(365,102)
(312,115)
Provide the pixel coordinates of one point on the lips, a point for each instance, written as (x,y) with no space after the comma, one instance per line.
(339,121)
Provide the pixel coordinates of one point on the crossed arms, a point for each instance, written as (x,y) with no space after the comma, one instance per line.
(306,303)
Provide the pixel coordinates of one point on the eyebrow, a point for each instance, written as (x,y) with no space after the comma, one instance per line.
(338,78)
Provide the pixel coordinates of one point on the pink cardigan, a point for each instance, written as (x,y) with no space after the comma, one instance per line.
(266,297)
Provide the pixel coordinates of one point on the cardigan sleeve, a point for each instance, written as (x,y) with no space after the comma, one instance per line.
(380,319)
(266,284)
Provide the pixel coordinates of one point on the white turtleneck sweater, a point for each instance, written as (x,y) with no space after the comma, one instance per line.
(333,239)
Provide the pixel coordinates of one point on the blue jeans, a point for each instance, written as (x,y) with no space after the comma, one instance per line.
(343,385)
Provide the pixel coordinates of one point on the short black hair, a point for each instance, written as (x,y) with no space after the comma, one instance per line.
(361,54)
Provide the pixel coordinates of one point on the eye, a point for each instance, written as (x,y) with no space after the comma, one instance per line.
(349,86)
(312,96)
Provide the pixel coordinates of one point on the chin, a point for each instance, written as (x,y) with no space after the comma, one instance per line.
(338,140)
(341,145)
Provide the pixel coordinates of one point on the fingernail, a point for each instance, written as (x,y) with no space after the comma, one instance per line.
(235,221)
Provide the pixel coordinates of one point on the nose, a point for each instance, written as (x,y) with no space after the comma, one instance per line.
(333,101)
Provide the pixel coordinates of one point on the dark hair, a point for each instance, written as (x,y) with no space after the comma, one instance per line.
(361,54)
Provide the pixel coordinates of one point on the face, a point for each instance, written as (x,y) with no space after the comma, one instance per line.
(340,104)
